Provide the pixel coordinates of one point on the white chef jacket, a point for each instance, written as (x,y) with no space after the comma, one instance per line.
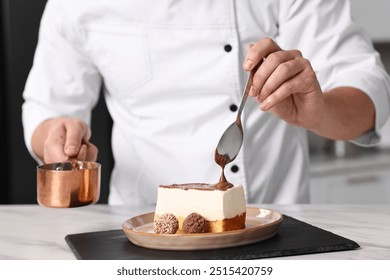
(171,73)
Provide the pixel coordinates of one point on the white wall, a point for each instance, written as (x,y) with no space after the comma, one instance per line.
(374,15)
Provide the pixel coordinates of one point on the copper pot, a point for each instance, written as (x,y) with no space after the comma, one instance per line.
(68,184)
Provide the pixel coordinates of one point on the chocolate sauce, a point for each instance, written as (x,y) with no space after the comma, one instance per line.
(222,160)
(222,186)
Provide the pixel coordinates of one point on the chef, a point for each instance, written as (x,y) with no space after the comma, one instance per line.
(172,73)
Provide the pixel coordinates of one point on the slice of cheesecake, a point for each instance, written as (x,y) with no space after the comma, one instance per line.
(223,209)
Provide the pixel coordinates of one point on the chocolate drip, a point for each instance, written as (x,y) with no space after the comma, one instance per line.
(222,160)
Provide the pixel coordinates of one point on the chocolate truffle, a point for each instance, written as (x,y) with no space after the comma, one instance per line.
(166,223)
(194,223)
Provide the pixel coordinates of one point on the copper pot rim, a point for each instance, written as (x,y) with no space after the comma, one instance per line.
(66,166)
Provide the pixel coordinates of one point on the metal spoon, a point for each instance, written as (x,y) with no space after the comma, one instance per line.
(231,141)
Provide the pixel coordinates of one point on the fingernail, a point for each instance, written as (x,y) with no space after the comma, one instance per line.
(248,64)
(264,105)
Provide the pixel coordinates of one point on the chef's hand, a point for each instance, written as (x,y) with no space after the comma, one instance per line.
(60,139)
(285,83)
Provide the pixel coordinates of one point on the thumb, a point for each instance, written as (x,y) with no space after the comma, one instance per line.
(76,132)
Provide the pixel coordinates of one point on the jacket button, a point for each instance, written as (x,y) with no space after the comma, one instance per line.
(227,48)
(233,107)
(234,168)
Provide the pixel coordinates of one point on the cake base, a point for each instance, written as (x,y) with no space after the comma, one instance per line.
(237,222)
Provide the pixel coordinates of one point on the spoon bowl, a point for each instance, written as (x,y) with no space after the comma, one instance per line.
(231,141)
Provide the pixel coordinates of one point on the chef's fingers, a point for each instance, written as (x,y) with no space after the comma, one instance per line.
(92,152)
(302,83)
(267,68)
(77,132)
(82,155)
(258,51)
(283,73)
(87,152)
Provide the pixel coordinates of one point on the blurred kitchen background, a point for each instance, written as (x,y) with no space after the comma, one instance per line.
(341,171)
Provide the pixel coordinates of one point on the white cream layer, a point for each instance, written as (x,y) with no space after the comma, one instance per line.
(211,204)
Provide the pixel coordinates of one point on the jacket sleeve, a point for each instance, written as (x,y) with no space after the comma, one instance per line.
(62,81)
(340,52)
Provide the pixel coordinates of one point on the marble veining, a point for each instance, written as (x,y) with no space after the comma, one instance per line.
(34,232)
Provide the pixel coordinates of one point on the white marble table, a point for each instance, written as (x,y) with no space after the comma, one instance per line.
(33,232)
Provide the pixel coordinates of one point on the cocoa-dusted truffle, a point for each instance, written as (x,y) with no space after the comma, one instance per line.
(194,223)
(166,223)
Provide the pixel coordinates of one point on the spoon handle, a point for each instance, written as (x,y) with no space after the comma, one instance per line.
(244,98)
(245,94)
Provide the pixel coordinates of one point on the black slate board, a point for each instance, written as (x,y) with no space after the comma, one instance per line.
(293,238)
